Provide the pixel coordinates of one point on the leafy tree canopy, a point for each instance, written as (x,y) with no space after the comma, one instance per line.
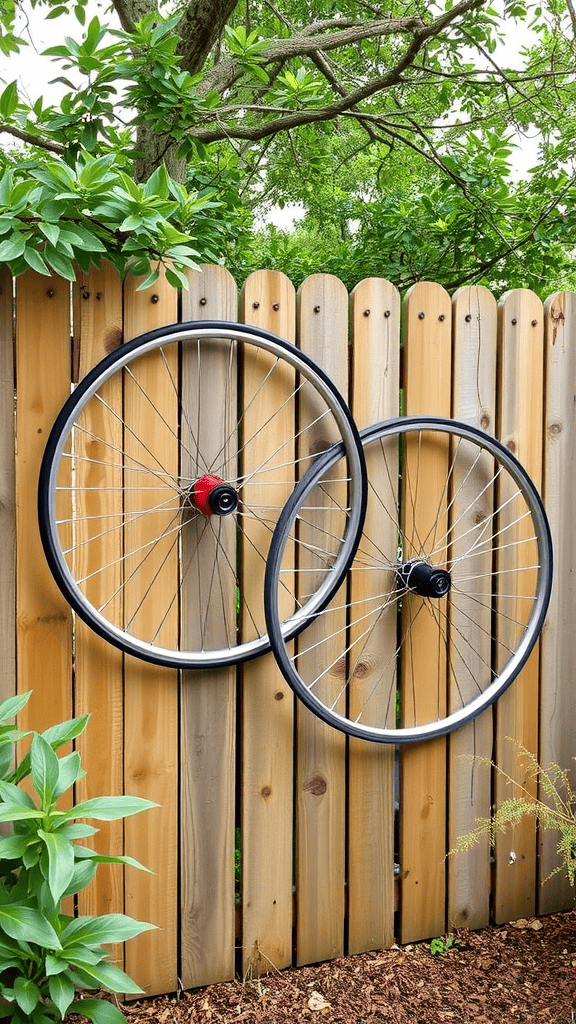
(170,121)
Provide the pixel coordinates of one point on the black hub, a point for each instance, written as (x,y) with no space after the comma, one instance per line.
(424,579)
(223,500)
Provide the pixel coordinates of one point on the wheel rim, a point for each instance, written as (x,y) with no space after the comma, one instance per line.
(163,479)
(390,658)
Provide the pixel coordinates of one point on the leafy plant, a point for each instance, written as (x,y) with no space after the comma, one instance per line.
(556,810)
(47,956)
(442,945)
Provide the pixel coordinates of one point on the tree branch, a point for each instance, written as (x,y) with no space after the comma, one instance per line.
(32,140)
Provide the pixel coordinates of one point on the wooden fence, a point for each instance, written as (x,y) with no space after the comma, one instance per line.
(329,866)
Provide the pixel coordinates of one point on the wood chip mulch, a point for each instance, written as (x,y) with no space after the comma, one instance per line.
(517,973)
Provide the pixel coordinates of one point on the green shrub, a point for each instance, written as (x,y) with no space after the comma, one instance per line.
(46,956)
(555,809)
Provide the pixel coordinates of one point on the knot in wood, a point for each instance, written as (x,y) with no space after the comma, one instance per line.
(316,786)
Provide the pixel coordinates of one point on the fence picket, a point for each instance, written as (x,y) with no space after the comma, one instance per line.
(43,618)
(208,698)
(99,677)
(427,385)
(151,695)
(320,763)
(557,697)
(7,496)
(469,783)
(267,702)
(375,317)
(521,393)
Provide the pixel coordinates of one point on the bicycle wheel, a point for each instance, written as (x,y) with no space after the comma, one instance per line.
(446,594)
(163,479)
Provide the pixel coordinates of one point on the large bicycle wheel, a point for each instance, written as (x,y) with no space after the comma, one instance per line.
(163,479)
(446,594)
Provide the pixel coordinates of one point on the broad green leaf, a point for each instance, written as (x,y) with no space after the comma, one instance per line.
(12,247)
(26,993)
(83,874)
(104,975)
(15,812)
(13,847)
(110,808)
(62,733)
(9,100)
(12,794)
(6,751)
(9,708)
(100,1011)
(69,771)
(28,925)
(34,260)
(60,862)
(44,769)
(105,929)
(62,991)
(54,965)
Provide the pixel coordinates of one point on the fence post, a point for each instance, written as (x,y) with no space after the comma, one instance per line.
(151,700)
(375,316)
(521,401)
(423,765)
(557,677)
(469,784)
(7,497)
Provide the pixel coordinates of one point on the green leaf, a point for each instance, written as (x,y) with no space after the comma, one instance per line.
(34,260)
(104,975)
(70,770)
(28,925)
(105,929)
(59,263)
(99,1011)
(9,708)
(44,770)
(110,808)
(13,847)
(60,862)
(53,965)
(9,100)
(62,992)
(12,247)
(83,874)
(26,993)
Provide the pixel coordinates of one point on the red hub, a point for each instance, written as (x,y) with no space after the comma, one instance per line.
(211,496)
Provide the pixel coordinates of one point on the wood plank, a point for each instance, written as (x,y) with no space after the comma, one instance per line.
(268,301)
(99,675)
(469,783)
(320,761)
(208,698)
(375,316)
(7,496)
(44,620)
(557,697)
(151,693)
(423,765)
(521,390)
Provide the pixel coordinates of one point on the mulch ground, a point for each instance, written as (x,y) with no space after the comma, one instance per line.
(521,972)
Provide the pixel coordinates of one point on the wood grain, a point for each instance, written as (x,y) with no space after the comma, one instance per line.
(208,698)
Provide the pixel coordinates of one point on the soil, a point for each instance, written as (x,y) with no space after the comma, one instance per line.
(521,972)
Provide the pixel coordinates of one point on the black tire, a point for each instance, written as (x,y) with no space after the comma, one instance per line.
(423,633)
(173,504)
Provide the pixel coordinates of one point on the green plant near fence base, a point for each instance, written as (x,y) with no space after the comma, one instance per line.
(47,957)
(556,810)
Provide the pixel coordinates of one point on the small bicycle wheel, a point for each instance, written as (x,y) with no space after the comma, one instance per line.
(163,479)
(446,594)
